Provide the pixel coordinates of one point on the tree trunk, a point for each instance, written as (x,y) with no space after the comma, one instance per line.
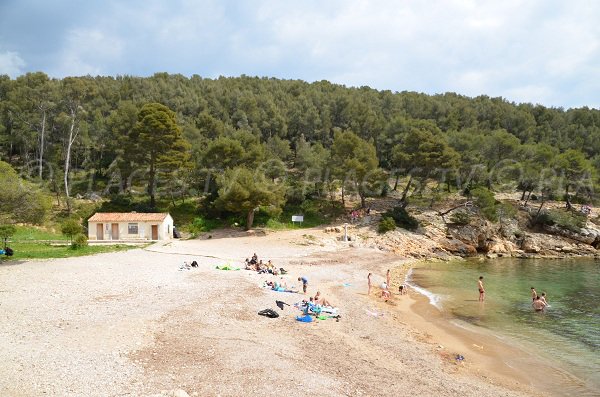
(396,183)
(569,206)
(42,137)
(523,194)
(405,192)
(343,198)
(72,136)
(540,209)
(527,200)
(250,219)
(151,182)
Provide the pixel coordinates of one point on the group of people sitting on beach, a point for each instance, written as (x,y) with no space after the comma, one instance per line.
(314,304)
(539,302)
(385,287)
(262,267)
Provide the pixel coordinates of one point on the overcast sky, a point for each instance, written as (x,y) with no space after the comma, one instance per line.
(536,51)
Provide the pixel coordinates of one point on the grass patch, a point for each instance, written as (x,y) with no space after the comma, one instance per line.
(31,250)
(316,213)
(32,233)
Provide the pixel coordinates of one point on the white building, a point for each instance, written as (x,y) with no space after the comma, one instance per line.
(132,226)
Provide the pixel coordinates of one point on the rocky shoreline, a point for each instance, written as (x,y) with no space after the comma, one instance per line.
(438,239)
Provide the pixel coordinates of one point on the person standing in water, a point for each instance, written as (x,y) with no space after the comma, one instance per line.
(543,299)
(538,304)
(369,283)
(481,289)
(533,294)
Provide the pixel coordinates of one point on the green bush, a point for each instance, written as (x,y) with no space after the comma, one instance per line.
(71,228)
(460,218)
(485,201)
(562,219)
(79,241)
(402,218)
(202,225)
(386,224)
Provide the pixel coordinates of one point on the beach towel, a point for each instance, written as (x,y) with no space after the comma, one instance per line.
(227,267)
(304,319)
(330,310)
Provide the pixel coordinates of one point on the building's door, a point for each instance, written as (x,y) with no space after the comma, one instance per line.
(115,231)
(154,232)
(100,231)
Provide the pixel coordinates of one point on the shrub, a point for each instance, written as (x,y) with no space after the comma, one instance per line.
(402,218)
(485,201)
(460,218)
(562,219)
(79,241)
(386,224)
(201,225)
(71,228)
(6,232)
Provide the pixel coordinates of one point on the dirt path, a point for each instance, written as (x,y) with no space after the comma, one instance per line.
(132,323)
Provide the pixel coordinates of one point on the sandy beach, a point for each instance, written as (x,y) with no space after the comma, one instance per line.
(132,323)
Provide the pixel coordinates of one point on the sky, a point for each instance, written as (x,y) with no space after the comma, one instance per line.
(536,51)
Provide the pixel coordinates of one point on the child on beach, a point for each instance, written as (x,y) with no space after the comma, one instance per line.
(304,283)
(387,278)
(385,294)
(369,283)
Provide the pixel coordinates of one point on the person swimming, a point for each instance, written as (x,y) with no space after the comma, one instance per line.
(533,294)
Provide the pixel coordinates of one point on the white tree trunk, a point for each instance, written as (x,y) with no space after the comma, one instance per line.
(42,136)
(72,136)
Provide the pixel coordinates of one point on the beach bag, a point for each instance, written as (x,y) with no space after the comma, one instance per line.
(268,313)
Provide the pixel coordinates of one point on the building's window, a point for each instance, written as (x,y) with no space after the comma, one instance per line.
(132,228)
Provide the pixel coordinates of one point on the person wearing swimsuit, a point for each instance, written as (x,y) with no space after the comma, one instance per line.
(481,289)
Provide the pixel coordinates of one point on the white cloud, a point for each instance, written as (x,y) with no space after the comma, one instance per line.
(11,64)
(87,51)
(543,51)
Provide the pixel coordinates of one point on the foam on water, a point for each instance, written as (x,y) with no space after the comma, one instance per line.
(434,299)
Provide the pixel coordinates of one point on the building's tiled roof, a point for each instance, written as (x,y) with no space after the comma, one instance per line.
(127,217)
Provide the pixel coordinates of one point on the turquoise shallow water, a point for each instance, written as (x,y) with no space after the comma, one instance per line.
(568,333)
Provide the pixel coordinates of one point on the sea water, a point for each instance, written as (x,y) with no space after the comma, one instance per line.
(567,333)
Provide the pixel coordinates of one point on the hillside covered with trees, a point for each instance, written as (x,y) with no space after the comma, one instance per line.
(231,145)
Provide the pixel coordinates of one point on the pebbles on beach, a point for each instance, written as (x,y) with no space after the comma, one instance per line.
(131,323)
